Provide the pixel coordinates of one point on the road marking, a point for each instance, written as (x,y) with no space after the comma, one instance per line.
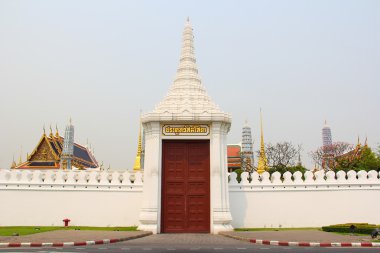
(241,248)
(264,248)
(102,248)
(60,252)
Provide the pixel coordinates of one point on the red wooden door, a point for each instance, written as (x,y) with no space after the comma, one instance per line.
(185,187)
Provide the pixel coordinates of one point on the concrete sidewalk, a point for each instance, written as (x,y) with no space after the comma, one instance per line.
(60,236)
(297,236)
(73,236)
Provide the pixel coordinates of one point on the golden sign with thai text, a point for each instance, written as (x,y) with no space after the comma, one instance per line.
(186,130)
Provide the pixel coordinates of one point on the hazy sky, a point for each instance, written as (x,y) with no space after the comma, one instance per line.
(101,62)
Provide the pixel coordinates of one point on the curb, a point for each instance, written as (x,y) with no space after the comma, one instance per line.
(66,244)
(306,244)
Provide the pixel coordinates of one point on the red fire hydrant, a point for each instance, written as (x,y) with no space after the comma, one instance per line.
(66,222)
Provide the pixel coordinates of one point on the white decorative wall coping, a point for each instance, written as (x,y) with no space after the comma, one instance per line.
(70,180)
(302,182)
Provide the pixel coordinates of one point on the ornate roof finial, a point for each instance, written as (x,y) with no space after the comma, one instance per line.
(56,131)
(13,165)
(188,19)
(365,143)
(137,165)
(263,162)
(20,159)
(51,132)
(70,121)
(44,130)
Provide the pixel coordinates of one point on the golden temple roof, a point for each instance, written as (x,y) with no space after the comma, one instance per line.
(47,153)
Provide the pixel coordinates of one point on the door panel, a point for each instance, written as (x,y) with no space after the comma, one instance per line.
(186,187)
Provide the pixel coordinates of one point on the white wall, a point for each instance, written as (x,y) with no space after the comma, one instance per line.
(86,198)
(312,202)
(111,199)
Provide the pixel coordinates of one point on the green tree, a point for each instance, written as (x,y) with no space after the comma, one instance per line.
(282,169)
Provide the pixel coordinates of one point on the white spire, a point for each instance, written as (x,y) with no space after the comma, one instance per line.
(68,147)
(326,135)
(187,99)
(247,147)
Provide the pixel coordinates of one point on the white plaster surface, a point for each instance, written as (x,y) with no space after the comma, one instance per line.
(86,198)
(314,202)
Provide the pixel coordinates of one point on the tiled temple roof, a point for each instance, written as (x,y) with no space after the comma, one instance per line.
(47,154)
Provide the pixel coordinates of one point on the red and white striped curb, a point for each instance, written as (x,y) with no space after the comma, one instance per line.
(65,244)
(316,244)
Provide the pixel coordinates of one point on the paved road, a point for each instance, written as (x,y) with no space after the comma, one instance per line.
(193,243)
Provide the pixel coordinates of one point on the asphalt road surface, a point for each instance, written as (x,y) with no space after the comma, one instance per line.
(193,243)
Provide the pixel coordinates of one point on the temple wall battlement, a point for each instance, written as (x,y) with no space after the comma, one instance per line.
(71,180)
(308,181)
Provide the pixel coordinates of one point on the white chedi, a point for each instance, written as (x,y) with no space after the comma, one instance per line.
(187,98)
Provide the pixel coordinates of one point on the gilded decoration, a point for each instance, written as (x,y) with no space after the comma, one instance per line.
(44,153)
(186,130)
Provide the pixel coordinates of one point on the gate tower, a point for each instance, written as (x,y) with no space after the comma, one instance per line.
(185,165)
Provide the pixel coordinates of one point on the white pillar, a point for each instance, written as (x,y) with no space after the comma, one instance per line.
(220,212)
(152,170)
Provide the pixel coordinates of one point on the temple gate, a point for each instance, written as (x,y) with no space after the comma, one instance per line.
(185,172)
